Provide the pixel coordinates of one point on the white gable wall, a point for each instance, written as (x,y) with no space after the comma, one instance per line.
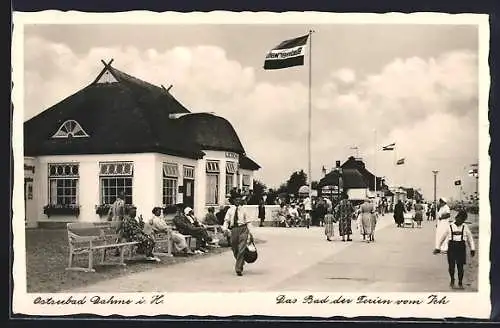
(107,77)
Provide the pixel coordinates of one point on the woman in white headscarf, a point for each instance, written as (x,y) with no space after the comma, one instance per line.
(443,217)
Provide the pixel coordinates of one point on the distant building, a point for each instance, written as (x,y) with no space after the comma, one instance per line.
(357,181)
(123,134)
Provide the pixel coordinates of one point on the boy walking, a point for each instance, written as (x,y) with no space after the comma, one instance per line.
(457,235)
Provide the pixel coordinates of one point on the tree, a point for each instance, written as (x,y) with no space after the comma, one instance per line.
(297,180)
(259,189)
(314,185)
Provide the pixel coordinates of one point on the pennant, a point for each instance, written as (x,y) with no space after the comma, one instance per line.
(400,161)
(458,183)
(288,53)
(389,147)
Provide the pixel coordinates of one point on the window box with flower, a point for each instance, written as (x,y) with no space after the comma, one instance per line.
(102,210)
(58,209)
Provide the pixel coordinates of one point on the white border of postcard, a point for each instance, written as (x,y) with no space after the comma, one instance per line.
(473,305)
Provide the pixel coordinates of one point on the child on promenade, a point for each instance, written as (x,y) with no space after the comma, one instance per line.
(457,235)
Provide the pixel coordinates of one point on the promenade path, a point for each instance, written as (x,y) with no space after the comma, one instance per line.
(301,259)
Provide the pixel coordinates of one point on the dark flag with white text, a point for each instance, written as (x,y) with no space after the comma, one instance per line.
(288,53)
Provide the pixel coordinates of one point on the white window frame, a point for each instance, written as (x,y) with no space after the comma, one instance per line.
(188,172)
(229,183)
(213,167)
(70,129)
(246,180)
(212,196)
(212,170)
(63,172)
(116,171)
(170,183)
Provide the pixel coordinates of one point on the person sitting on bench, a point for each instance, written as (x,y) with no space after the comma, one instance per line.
(157,224)
(132,230)
(187,225)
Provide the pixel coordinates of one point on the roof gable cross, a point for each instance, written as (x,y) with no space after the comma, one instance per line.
(106,75)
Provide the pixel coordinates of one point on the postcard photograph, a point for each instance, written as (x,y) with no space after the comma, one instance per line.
(299,163)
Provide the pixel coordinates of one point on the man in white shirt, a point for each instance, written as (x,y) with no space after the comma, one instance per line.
(443,217)
(239,223)
(308,208)
(457,236)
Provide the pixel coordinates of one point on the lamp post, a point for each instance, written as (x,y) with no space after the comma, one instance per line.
(339,173)
(435,172)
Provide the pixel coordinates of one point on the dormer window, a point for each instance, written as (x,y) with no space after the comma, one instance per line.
(70,129)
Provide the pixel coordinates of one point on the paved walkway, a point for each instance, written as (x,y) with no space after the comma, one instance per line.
(302,259)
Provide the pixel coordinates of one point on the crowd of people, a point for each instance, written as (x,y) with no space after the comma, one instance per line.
(230,226)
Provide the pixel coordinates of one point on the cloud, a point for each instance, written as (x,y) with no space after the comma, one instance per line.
(344,75)
(427,105)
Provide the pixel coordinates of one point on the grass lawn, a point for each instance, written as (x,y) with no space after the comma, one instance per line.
(47,257)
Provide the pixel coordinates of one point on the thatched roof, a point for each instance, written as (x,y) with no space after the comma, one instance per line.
(353,163)
(129,116)
(351,179)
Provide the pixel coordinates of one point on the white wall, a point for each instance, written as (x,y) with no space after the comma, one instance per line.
(158,191)
(147,181)
(358,194)
(143,194)
(253,211)
(32,205)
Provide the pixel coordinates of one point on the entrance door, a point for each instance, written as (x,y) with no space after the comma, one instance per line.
(188,198)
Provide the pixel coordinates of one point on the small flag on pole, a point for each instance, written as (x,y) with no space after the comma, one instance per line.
(400,161)
(288,53)
(458,183)
(389,147)
(473,172)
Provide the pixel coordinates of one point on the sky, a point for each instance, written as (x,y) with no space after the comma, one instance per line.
(415,85)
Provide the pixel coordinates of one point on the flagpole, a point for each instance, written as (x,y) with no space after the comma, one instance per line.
(310,115)
(375,164)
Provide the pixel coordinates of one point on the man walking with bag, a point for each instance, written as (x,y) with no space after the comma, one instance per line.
(238,222)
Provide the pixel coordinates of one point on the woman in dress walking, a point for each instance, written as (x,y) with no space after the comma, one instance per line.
(367,220)
(419,213)
(343,212)
(329,221)
(399,211)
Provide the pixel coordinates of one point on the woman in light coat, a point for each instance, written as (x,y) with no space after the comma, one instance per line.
(368,220)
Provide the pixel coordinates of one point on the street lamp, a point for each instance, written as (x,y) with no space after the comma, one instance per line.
(435,172)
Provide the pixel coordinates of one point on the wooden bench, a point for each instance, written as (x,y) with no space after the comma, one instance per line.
(188,238)
(162,238)
(215,228)
(85,238)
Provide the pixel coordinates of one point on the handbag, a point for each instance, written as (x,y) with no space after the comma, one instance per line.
(251,253)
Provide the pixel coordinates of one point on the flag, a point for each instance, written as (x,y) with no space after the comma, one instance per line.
(400,161)
(458,183)
(473,172)
(288,53)
(389,147)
